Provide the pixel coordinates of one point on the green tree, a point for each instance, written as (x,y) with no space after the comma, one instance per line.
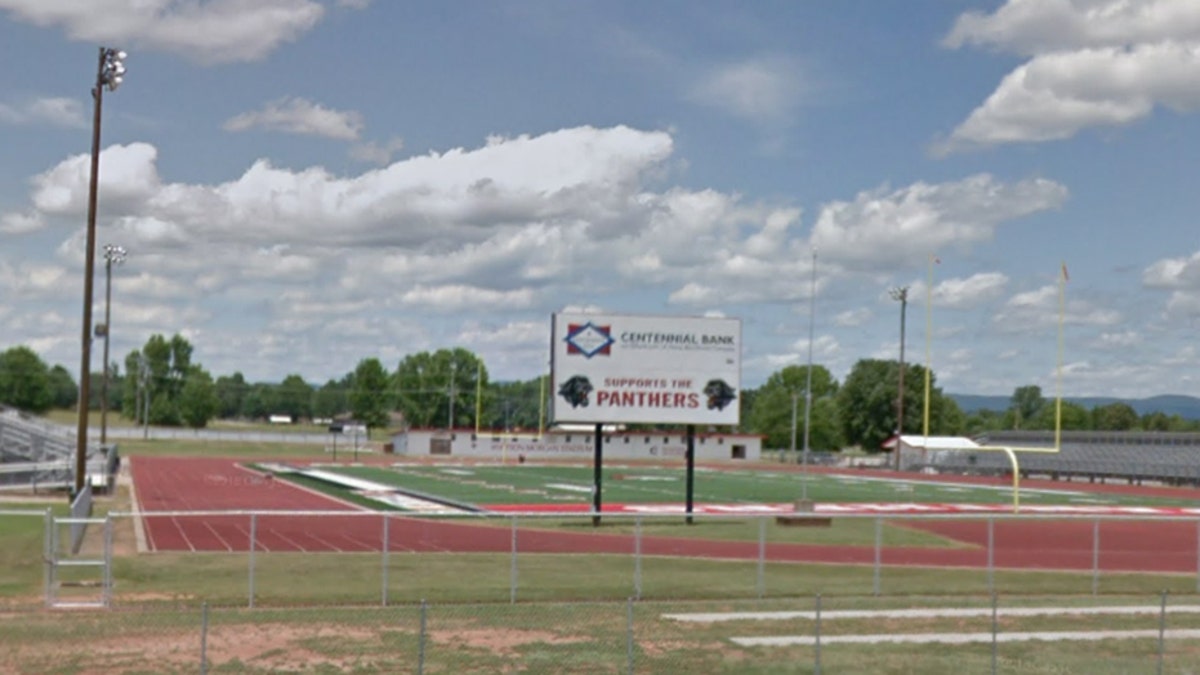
(64,393)
(25,380)
(198,401)
(1155,421)
(425,383)
(369,396)
(231,392)
(1025,405)
(1114,417)
(512,405)
(157,371)
(332,399)
(294,397)
(867,401)
(1074,417)
(781,400)
(259,401)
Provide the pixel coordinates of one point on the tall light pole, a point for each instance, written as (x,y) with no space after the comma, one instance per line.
(109,73)
(113,255)
(900,295)
(808,397)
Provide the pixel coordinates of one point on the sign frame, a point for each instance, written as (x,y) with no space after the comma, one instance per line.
(645,369)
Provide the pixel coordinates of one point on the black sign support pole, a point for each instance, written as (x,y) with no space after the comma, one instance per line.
(597,462)
(691,469)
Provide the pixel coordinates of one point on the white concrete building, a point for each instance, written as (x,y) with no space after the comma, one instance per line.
(573,444)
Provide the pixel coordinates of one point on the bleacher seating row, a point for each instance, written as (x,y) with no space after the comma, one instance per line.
(1170,458)
(39,454)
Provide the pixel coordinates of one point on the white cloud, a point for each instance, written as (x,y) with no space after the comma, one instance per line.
(852,318)
(1182,277)
(1039,309)
(219,31)
(1092,63)
(52,111)
(882,229)
(761,90)
(21,223)
(1032,27)
(971,292)
(375,152)
(300,116)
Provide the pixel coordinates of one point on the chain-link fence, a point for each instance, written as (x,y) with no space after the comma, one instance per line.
(1133,634)
(331,558)
(368,592)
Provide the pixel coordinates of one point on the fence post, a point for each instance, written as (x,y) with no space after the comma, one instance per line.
(512,572)
(106,583)
(384,564)
(995,630)
(48,556)
(204,638)
(629,635)
(637,557)
(253,543)
(991,554)
(817,637)
(421,639)
(878,553)
(760,584)
(1096,556)
(1162,631)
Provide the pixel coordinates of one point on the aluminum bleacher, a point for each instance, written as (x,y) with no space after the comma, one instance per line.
(1171,458)
(38,454)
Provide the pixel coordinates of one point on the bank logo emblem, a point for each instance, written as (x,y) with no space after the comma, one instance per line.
(589,339)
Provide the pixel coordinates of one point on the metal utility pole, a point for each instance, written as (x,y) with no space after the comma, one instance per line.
(113,255)
(808,397)
(109,73)
(901,296)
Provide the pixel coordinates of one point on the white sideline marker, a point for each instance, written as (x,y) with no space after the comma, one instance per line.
(967,638)
(939,613)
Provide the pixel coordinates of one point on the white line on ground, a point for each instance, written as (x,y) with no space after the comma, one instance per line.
(965,638)
(935,613)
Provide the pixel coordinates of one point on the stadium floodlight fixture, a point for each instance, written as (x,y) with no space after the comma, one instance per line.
(110,73)
(112,68)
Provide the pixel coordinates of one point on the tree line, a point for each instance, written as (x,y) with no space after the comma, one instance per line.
(161,384)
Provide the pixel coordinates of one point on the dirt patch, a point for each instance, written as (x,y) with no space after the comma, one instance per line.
(504,642)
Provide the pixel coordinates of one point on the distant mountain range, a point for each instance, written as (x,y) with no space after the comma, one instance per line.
(1187,407)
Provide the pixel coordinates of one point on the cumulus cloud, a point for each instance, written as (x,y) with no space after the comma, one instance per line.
(1039,309)
(1181,276)
(219,31)
(1091,63)
(300,116)
(516,224)
(969,293)
(883,228)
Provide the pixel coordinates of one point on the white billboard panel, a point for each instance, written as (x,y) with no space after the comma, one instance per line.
(645,369)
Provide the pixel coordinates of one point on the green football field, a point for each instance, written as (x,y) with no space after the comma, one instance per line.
(490,485)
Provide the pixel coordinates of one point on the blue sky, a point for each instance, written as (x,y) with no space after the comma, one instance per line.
(304,183)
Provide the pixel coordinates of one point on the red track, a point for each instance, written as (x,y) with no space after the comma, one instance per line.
(191,484)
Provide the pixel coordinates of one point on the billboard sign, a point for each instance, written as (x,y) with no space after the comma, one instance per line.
(645,369)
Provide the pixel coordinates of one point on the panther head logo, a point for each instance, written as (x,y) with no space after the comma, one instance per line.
(719,394)
(576,391)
